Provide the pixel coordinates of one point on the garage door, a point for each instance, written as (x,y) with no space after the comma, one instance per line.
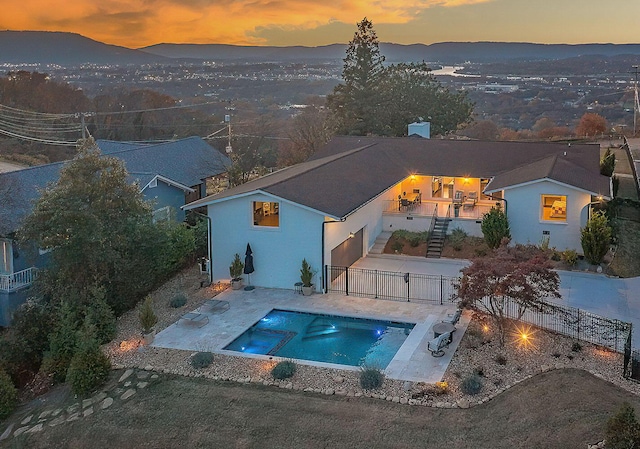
(346,253)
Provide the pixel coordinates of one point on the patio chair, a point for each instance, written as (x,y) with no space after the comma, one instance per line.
(194,318)
(437,345)
(453,318)
(458,198)
(214,306)
(471,200)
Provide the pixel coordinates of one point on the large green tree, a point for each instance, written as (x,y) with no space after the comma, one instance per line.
(98,228)
(380,100)
(356,102)
(410,93)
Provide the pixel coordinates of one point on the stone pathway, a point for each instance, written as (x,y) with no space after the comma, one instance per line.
(127,385)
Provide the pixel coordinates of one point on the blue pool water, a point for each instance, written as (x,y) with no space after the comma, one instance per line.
(324,338)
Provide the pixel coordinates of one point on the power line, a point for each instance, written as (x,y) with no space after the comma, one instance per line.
(137,111)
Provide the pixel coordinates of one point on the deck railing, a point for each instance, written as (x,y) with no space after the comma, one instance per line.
(423,208)
(18,280)
(428,208)
(472,213)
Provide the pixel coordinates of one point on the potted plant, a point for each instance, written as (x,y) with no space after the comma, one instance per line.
(148,320)
(235,270)
(306,275)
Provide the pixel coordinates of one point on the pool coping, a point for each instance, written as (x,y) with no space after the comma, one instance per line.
(412,361)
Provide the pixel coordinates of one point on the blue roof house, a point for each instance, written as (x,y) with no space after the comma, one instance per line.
(169,174)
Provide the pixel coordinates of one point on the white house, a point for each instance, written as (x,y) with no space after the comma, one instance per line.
(330,209)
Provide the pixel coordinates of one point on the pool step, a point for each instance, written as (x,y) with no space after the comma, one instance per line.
(320,333)
(319,328)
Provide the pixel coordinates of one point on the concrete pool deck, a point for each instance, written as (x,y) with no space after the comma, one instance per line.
(413,362)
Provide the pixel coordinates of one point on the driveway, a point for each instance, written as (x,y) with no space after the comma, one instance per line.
(596,293)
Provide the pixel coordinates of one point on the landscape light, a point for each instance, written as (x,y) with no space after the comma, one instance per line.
(524,336)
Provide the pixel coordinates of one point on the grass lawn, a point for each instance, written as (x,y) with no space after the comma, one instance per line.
(558,409)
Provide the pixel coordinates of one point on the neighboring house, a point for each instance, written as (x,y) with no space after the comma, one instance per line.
(169,174)
(331,208)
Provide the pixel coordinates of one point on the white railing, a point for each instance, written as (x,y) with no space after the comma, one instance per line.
(472,213)
(15,281)
(423,208)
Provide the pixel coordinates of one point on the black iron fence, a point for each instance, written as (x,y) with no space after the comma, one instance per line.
(569,321)
(390,285)
(574,323)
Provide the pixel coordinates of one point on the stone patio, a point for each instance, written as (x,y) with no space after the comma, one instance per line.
(413,362)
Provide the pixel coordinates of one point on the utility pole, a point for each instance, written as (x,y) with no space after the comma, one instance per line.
(636,102)
(227,119)
(82,116)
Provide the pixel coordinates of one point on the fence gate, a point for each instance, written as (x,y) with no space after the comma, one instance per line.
(390,285)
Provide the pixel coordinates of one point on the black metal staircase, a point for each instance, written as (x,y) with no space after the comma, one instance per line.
(436,237)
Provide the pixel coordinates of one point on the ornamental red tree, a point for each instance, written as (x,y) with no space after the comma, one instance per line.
(519,275)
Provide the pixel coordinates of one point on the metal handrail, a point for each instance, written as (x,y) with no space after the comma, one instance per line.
(434,217)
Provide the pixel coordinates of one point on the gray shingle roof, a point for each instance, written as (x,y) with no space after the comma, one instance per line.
(186,161)
(350,171)
(556,168)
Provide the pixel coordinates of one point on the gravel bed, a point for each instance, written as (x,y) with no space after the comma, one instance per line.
(498,368)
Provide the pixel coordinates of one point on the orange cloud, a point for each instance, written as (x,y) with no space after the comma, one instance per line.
(136,23)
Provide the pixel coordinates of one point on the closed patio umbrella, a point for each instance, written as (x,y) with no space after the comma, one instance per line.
(248,266)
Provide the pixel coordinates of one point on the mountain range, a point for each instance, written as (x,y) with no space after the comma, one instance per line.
(68,49)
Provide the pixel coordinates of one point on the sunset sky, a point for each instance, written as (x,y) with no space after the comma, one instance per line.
(138,23)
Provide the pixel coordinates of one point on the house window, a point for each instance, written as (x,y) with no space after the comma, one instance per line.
(554,207)
(6,257)
(162,214)
(266,214)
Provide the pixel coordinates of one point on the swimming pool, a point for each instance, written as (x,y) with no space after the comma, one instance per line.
(324,338)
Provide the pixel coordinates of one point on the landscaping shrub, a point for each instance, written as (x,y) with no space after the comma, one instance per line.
(481,252)
(63,343)
(479,370)
(147,316)
(201,360)
(595,238)
(608,163)
(178,301)
(24,343)
(371,378)
(397,246)
(471,384)
(495,227)
(100,314)
(457,238)
(556,256)
(89,366)
(8,395)
(284,370)
(414,241)
(576,347)
(623,429)
(501,359)
(570,257)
